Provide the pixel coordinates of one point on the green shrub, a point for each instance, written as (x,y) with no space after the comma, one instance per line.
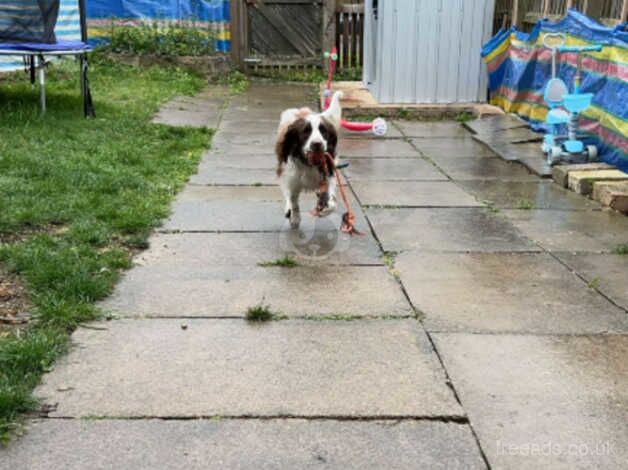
(162,40)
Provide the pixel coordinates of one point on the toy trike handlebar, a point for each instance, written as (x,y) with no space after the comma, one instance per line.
(580,48)
(560,38)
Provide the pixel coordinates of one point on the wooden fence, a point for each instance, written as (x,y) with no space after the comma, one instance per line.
(349,35)
(291,35)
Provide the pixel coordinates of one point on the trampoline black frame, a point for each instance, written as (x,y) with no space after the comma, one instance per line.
(37,66)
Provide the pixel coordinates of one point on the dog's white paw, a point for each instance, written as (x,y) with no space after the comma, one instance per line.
(330,207)
(295,219)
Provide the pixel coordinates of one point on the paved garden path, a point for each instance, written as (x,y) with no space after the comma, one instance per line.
(482,320)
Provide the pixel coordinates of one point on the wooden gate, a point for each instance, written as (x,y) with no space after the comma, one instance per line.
(277,33)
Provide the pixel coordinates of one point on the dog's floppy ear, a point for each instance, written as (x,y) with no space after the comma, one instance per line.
(333,114)
(288,142)
(331,135)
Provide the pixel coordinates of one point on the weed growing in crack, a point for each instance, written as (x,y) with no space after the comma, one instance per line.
(525,204)
(594,283)
(260,313)
(285,262)
(490,205)
(464,117)
(621,249)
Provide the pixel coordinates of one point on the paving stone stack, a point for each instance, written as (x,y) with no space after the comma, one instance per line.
(604,183)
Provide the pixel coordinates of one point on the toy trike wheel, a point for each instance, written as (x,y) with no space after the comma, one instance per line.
(592,152)
(554,154)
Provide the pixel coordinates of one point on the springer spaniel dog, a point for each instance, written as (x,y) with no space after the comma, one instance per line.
(302,135)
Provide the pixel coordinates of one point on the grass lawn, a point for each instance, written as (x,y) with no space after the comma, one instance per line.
(77,197)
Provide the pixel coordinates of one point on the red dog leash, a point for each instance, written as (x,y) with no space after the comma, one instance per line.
(324,160)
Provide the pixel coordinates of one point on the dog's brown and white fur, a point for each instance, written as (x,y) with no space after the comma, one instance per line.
(301,131)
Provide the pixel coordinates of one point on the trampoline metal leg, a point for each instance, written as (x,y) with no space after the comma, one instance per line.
(32,68)
(88,105)
(42,84)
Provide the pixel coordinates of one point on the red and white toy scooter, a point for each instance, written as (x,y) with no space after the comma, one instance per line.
(378,126)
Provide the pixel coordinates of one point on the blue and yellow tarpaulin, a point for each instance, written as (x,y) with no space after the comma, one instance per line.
(212,14)
(519,68)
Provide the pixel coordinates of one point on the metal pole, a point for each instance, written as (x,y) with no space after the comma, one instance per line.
(546,5)
(42,84)
(624,12)
(568,5)
(83,20)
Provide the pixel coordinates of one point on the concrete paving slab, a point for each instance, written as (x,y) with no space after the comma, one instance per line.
(244,209)
(251,162)
(491,124)
(181,117)
(255,125)
(606,272)
(468,147)
(527,195)
(510,151)
(218,174)
(246,113)
(514,135)
(203,110)
(413,194)
(199,208)
(263,139)
(504,292)
(195,193)
(242,444)
(199,250)
(537,165)
(392,169)
(369,148)
(543,402)
(442,129)
(238,123)
(252,150)
(299,368)
(484,168)
(446,229)
(229,291)
(594,231)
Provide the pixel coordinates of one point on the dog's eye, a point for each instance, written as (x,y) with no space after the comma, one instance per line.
(323,130)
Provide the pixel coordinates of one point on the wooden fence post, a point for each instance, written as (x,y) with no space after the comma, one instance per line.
(329,28)
(515,13)
(239,40)
(624,12)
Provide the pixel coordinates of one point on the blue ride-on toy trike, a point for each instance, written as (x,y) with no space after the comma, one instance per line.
(565,108)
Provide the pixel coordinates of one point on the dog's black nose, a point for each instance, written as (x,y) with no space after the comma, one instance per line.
(317,147)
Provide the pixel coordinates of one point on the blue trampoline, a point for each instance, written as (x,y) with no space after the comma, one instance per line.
(38,29)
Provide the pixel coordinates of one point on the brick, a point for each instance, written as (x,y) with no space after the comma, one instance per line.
(614,194)
(560,173)
(582,181)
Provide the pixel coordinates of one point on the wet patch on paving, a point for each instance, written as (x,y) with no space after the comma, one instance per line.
(504,293)
(446,229)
